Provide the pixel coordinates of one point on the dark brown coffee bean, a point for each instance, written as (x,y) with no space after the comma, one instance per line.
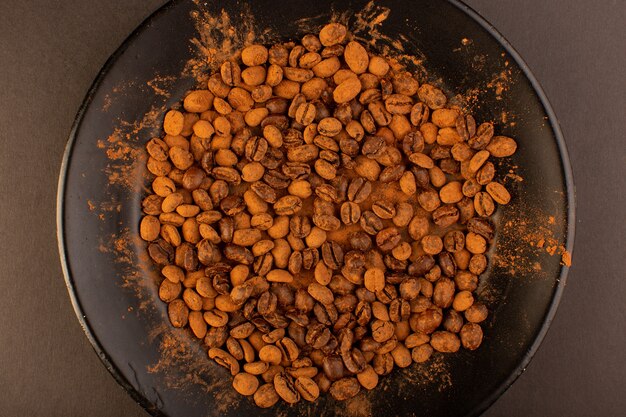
(476,313)
(359,190)
(263,264)
(419,114)
(345,388)
(288,205)
(454,241)
(267,303)
(445,215)
(300,226)
(303,301)
(360,241)
(428,199)
(483,136)
(483,204)
(426,322)
(238,254)
(325,314)
(373,146)
(276,179)
(478,264)
(383,364)
(318,335)
(310,258)
(264,191)
(471,336)
(453,321)
(409,289)
(370,223)
(447,264)
(486,173)
(350,213)
(332,254)
(333,367)
(256,148)
(391,174)
(384,209)
(326,192)
(227,229)
(285,388)
(444,293)
(481,226)
(161,252)
(421,265)
(388,238)
(466,210)
(296,170)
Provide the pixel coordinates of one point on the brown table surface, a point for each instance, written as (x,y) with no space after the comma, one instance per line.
(50,52)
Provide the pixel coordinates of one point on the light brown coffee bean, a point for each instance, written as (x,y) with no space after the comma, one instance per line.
(501,146)
(421,353)
(285,388)
(499,194)
(443,341)
(356,57)
(483,204)
(332,34)
(432,96)
(347,90)
(266,396)
(345,388)
(245,383)
(225,359)
(307,388)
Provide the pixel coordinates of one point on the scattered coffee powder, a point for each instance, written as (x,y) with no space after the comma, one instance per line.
(320,218)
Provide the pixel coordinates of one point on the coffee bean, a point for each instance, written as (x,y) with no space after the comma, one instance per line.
(388,238)
(285,388)
(332,254)
(370,223)
(318,335)
(224,359)
(266,396)
(501,146)
(350,213)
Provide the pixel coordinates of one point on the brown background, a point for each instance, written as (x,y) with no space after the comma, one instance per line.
(50,52)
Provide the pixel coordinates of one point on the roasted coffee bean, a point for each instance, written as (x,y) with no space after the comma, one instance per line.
(382,364)
(326,314)
(276,179)
(310,258)
(454,241)
(285,388)
(345,388)
(384,209)
(370,223)
(445,215)
(359,190)
(388,238)
(224,359)
(360,241)
(318,336)
(447,264)
(476,313)
(483,136)
(426,322)
(332,254)
(350,213)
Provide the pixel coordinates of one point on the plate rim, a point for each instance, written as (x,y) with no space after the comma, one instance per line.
(557,294)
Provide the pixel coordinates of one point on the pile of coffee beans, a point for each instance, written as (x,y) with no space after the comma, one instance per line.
(321,217)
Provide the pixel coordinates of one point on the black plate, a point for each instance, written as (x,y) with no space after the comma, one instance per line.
(113,287)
